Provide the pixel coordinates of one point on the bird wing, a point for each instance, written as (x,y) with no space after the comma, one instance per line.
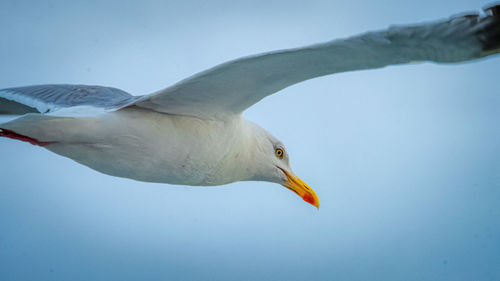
(232,87)
(51,98)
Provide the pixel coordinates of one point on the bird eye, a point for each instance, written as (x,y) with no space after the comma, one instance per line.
(279,152)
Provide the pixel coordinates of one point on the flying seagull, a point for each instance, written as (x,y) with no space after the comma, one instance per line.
(193,133)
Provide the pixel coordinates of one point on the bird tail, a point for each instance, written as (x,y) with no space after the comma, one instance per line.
(30,128)
(13,135)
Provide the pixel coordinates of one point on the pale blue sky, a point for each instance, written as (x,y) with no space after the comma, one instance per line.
(405,160)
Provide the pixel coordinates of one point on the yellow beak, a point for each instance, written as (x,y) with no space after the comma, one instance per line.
(301,189)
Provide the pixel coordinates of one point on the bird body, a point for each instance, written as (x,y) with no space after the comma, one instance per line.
(193,133)
(149,146)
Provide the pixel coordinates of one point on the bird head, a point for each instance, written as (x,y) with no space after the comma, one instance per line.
(271,163)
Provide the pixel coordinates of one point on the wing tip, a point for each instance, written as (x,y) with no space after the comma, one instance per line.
(489,35)
(492,9)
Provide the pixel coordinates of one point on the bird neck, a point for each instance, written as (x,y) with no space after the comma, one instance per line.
(244,161)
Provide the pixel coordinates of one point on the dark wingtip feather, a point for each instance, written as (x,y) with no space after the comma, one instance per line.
(490,34)
(493,10)
(471,16)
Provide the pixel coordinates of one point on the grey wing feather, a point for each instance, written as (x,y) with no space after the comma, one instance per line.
(50,98)
(232,87)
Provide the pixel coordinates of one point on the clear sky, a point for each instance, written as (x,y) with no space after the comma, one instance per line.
(405,160)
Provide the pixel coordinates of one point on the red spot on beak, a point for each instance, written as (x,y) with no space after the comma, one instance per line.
(13,135)
(308,198)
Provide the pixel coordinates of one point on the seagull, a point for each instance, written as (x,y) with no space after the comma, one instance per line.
(193,132)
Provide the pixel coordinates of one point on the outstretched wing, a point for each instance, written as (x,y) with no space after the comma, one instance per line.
(234,86)
(51,98)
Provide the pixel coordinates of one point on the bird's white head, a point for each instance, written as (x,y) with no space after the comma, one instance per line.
(269,161)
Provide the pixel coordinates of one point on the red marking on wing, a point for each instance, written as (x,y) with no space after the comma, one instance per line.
(13,135)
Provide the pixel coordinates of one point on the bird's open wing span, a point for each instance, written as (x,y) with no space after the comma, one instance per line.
(50,98)
(234,86)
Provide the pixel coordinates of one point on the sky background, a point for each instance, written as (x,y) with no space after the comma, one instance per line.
(405,160)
